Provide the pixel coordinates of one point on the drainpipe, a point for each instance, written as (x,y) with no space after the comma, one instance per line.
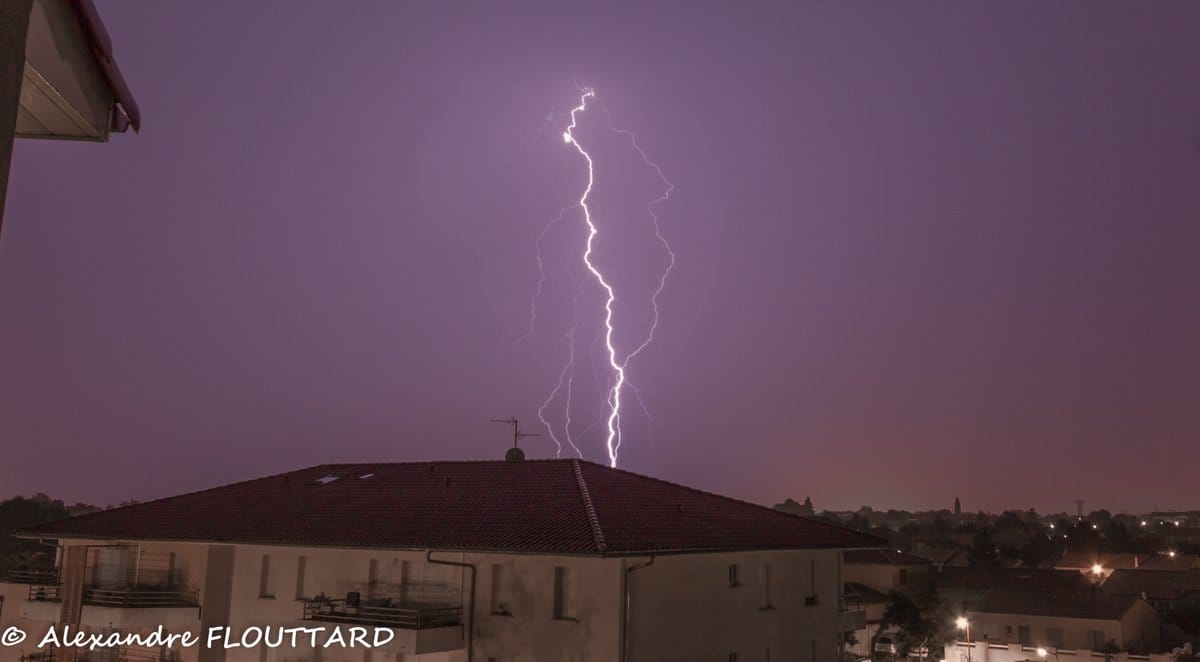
(471,620)
(626,606)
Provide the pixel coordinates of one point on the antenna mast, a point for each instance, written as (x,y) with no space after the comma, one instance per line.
(515,454)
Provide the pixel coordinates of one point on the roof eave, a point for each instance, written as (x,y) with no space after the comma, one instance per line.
(127,113)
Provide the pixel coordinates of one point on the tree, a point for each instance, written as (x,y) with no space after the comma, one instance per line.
(919,621)
(791,506)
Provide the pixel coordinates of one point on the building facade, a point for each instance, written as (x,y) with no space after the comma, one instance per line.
(459,561)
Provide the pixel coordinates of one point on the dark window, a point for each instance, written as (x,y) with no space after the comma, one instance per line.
(904,576)
(733,574)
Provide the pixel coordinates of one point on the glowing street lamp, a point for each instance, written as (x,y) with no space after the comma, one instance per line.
(1097,569)
(963,624)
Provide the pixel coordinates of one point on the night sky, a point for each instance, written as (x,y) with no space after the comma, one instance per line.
(925,250)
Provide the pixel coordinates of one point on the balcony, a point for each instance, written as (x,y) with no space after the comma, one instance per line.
(132,607)
(32,576)
(852,612)
(418,629)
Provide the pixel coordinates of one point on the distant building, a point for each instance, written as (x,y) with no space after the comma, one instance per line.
(874,604)
(58,78)
(506,561)
(1164,590)
(1176,561)
(1099,565)
(1087,619)
(887,570)
(962,588)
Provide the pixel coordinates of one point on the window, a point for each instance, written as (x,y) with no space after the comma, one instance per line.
(733,657)
(766,581)
(1095,639)
(811,598)
(372,578)
(564,593)
(733,574)
(266,579)
(904,576)
(1023,635)
(1054,637)
(502,589)
(301,571)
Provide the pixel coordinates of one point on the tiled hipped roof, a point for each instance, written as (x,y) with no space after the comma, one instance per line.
(537,506)
(1088,604)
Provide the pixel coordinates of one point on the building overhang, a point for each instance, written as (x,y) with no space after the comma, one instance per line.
(71,87)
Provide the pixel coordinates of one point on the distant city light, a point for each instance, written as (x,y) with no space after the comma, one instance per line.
(1143,522)
(1171,553)
(1052,526)
(1095,527)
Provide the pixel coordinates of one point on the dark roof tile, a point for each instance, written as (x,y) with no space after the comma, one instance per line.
(537,506)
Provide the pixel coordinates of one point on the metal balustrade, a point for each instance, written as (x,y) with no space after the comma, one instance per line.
(381,615)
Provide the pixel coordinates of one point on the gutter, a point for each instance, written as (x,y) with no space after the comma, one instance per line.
(470,621)
(626,605)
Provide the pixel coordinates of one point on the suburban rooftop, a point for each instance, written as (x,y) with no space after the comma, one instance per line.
(537,506)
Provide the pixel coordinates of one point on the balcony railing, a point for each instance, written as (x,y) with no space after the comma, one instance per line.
(32,577)
(42,656)
(130,597)
(382,615)
(849,602)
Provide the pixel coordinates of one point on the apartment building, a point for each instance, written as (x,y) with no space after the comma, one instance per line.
(1087,619)
(461,561)
(887,570)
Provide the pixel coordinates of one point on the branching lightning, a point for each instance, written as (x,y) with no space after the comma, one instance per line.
(617,361)
(662,281)
(613,441)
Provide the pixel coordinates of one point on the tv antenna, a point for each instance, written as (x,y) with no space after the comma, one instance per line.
(515,454)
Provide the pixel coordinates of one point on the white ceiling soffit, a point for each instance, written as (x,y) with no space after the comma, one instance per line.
(63,91)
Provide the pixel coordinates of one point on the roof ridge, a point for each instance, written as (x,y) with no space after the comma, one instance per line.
(593,520)
(762,508)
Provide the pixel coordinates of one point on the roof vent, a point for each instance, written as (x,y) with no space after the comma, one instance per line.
(514,454)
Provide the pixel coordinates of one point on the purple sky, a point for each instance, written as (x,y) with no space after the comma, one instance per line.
(925,250)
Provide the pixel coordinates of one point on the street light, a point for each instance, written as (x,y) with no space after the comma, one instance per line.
(963,624)
(1097,569)
(1042,652)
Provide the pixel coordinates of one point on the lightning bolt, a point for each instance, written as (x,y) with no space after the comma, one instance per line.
(541,264)
(662,282)
(613,441)
(617,362)
(565,378)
